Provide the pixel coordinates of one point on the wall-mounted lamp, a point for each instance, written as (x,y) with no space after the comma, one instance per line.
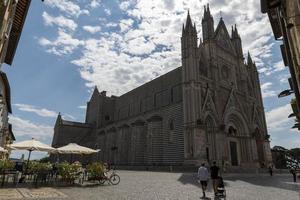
(292,115)
(297,125)
(285,93)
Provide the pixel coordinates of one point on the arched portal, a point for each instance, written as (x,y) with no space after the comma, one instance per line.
(239,143)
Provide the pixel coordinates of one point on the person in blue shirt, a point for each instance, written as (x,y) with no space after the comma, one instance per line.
(203,177)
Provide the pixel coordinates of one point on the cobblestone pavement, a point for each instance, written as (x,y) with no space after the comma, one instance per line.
(30,193)
(138,185)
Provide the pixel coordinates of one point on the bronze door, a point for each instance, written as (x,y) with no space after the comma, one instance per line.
(233,153)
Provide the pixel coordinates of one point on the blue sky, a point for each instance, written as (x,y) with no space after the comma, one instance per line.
(68,47)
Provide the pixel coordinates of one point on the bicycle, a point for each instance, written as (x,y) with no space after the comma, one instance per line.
(112,178)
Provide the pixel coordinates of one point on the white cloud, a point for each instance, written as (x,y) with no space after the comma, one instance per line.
(92,29)
(125,24)
(43,112)
(82,107)
(277,119)
(124,5)
(25,128)
(95,3)
(279,66)
(60,21)
(107,11)
(265,90)
(111,24)
(66,6)
(265,70)
(64,44)
(121,59)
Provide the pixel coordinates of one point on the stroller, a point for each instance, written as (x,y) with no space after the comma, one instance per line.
(221,192)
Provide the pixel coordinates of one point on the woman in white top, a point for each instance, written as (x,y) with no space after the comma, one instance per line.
(203,177)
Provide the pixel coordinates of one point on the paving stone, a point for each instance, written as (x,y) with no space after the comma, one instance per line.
(183,186)
(10,194)
(41,193)
(32,193)
(139,185)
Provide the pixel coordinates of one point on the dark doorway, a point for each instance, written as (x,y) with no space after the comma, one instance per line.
(207,154)
(233,153)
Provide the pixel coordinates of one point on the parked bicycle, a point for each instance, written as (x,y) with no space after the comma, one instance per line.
(112,178)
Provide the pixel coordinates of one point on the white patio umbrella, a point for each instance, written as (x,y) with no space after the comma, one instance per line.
(31,145)
(74,148)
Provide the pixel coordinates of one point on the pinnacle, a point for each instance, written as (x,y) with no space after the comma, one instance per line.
(188,24)
(249,59)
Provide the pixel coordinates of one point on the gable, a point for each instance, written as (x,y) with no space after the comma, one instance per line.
(209,105)
(234,103)
(222,37)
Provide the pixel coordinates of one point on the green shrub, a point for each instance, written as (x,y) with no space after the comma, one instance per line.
(6,165)
(35,166)
(96,169)
(69,171)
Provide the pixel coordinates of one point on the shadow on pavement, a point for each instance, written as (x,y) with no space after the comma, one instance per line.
(277,181)
(191,178)
(282,181)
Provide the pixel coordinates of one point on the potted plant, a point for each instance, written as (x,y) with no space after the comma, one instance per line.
(69,172)
(6,165)
(35,167)
(96,171)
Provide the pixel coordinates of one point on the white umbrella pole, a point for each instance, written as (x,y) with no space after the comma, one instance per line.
(26,168)
(28,160)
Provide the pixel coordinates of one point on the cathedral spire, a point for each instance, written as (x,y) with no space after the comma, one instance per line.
(207,24)
(249,59)
(207,14)
(188,23)
(58,119)
(234,32)
(189,28)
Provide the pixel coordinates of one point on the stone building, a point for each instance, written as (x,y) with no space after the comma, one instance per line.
(12,18)
(284,17)
(209,109)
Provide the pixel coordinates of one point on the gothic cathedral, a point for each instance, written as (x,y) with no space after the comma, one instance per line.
(209,109)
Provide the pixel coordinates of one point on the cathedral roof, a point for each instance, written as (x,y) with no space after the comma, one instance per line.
(222,36)
(71,123)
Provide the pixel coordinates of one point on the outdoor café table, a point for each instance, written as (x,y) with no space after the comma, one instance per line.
(9,173)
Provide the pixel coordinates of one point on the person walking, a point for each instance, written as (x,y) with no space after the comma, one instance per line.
(270,169)
(203,178)
(214,174)
(293,172)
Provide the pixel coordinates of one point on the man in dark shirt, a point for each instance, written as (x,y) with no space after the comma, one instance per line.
(214,171)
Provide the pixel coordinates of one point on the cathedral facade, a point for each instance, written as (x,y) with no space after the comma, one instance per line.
(209,109)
